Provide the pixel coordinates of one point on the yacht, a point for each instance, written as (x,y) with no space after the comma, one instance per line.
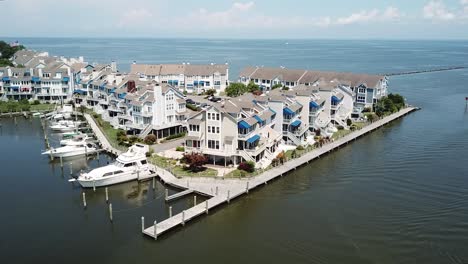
(78,149)
(64,126)
(75,140)
(128,167)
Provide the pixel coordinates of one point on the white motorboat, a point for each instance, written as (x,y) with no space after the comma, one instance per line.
(129,166)
(75,140)
(80,149)
(64,126)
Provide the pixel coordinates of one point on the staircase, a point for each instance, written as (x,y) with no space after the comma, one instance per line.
(146,131)
(294,139)
(246,156)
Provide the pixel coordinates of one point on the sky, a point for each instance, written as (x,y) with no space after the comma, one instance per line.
(304,19)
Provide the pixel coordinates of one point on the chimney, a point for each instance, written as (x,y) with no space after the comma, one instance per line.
(31,72)
(131,87)
(81,59)
(114,66)
(40,73)
(9,71)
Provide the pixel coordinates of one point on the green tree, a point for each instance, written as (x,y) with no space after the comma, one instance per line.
(252,87)
(7,53)
(210,92)
(236,89)
(276,86)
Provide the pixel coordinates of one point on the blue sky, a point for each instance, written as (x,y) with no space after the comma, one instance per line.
(357,19)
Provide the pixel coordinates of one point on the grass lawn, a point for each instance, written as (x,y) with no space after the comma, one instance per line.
(42,107)
(179,171)
(109,132)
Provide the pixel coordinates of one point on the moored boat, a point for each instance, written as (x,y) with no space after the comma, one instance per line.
(81,149)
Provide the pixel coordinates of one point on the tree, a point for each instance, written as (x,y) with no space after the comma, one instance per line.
(195,161)
(252,87)
(210,92)
(150,139)
(236,89)
(248,166)
(276,86)
(7,53)
(349,122)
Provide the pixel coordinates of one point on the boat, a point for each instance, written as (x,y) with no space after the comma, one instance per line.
(64,126)
(75,140)
(128,166)
(81,149)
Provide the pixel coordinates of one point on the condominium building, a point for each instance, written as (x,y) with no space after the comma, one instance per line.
(186,77)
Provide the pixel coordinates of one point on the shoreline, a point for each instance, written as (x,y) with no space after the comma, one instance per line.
(222,191)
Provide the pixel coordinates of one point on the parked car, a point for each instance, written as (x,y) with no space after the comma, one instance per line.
(190,101)
(216,99)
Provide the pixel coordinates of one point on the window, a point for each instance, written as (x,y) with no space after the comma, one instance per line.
(213,130)
(217,130)
(195,128)
(170,107)
(143,162)
(209,116)
(268,81)
(129,164)
(256,80)
(362,90)
(213,144)
(217,82)
(169,97)
(361,99)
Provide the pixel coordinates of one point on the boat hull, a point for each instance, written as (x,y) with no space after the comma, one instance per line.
(112,180)
(70,153)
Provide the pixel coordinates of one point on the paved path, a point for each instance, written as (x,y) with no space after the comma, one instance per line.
(100,136)
(158,148)
(222,191)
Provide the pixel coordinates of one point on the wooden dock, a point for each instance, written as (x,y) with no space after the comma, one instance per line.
(223,191)
(178,195)
(105,144)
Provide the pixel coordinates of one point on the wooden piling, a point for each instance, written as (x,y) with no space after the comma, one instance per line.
(142,224)
(107,195)
(216,190)
(166,194)
(229,196)
(194,200)
(110,212)
(61,162)
(154,183)
(84,200)
(71,168)
(247,188)
(170,211)
(206,206)
(183,218)
(94,185)
(155,230)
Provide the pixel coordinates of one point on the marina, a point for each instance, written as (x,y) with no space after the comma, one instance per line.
(223,191)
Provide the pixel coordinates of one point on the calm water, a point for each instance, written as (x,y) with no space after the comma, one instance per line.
(399,195)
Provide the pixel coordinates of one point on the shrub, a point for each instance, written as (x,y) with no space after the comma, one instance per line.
(150,139)
(195,161)
(133,139)
(210,92)
(176,136)
(248,166)
(340,127)
(300,148)
(36,102)
(276,86)
(349,122)
(193,107)
(149,153)
(95,115)
(367,110)
(180,149)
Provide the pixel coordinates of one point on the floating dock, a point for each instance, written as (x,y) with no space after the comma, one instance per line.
(222,191)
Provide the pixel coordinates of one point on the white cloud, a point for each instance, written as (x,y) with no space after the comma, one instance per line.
(135,17)
(391,13)
(243,6)
(437,10)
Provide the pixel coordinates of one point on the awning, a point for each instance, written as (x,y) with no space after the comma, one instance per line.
(253,139)
(79,91)
(195,83)
(15,88)
(102,87)
(259,119)
(296,123)
(313,105)
(6,79)
(112,90)
(288,111)
(175,82)
(122,95)
(201,82)
(335,99)
(243,125)
(170,81)
(66,79)
(35,79)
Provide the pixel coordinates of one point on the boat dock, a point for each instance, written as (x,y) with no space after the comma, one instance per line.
(222,191)
(451,68)
(178,195)
(105,144)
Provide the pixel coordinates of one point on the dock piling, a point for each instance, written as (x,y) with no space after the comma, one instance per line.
(94,185)
(110,212)
(183,218)
(247,188)
(154,183)
(228,196)
(155,230)
(84,200)
(167,193)
(61,162)
(71,168)
(142,224)
(216,190)
(206,206)
(194,200)
(107,195)
(170,211)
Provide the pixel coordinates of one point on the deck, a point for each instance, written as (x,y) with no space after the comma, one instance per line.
(223,190)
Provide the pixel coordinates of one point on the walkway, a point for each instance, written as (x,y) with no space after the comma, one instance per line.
(222,191)
(105,144)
